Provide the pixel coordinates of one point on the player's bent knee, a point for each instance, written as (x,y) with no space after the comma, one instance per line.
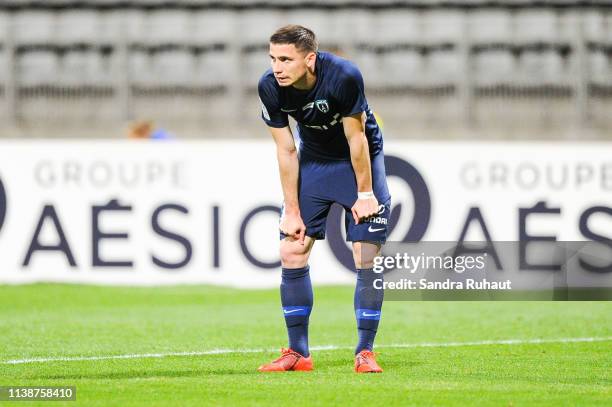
(364,254)
(293,254)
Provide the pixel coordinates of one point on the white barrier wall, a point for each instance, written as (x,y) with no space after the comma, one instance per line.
(127,212)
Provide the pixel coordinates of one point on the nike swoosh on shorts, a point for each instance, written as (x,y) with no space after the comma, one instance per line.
(375,230)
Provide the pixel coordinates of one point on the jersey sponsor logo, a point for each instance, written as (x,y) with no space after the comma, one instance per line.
(308,106)
(322,105)
(377,218)
(288,110)
(323,127)
(372,230)
(337,119)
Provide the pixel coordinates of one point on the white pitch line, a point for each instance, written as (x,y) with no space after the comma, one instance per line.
(314,348)
(497,342)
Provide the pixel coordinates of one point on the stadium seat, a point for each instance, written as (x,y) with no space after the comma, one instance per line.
(494,67)
(594,24)
(4,27)
(254,65)
(385,52)
(74,69)
(316,20)
(174,67)
(394,26)
(490,26)
(77,26)
(215,27)
(253,56)
(211,69)
(372,69)
(539,68)
(140,68)
(86,67)
(334,32)
(38,68)
(3,67)
(599,68)
(261,24)
(134,26)
(34,27)
(3,60)
(445,26)
(403,68)
(112,27)
(343,32)
(443,67)
(568,26)
(169,26)
(536,25)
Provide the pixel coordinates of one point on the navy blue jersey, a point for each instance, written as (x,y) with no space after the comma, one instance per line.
(338,92)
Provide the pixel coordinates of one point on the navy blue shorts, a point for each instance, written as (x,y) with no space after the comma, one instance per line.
(322,183)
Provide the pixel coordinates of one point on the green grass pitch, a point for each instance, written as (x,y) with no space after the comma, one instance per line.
(46,320)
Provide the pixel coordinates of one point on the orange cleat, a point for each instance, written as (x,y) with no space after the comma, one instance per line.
(365,362)
(289,360)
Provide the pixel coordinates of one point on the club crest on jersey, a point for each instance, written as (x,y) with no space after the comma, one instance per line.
(322,105)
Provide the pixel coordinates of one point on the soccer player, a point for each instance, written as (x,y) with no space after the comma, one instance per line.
(340,160)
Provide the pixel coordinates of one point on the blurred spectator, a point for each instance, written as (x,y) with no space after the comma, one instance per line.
(145,129)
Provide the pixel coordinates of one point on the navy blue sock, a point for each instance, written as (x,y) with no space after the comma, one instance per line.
(368,305)
(296,298)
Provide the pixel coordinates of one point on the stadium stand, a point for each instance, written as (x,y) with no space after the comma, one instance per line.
(462,68)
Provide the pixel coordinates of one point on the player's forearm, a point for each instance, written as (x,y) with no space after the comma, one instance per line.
(360,159)
(288,166)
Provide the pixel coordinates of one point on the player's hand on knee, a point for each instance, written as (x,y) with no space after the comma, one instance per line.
(293,226)
(364,208)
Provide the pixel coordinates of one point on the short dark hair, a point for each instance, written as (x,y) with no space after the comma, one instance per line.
(303,38)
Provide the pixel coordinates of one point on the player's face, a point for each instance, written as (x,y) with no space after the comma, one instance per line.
(289,65)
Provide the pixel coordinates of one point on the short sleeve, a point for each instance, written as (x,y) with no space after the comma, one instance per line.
(270,104)
(351,92)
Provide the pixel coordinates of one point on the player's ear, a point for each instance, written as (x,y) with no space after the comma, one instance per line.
(311,57)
